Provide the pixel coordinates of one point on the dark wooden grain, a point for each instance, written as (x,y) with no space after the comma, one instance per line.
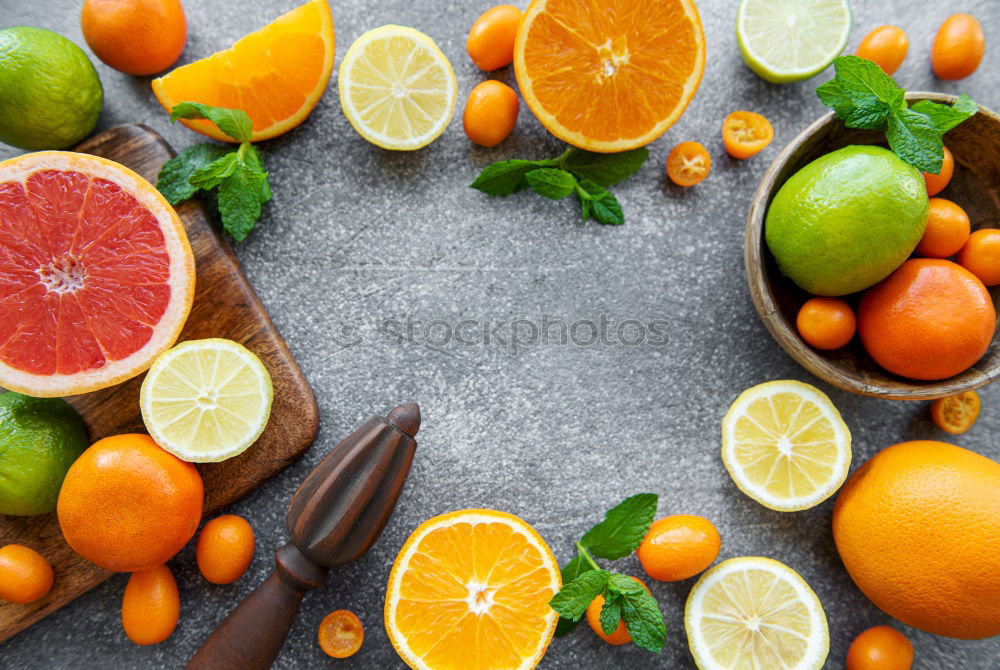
(336,515)
(225,305)
(975,186)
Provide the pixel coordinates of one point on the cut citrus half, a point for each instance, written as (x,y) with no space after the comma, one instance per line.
(470,590)
(206,400)
(755,612)
(785,445)
(784,42)
(96,274)
(276,75)
(609,76)
(397,89)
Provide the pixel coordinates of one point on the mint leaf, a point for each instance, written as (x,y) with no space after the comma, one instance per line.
(601,203)
(914,138)
(211,175)
(604,169)
(233,122)
(551,183)
(173,182)
(576,567)
(623,528)
(506,177)
(644,621)
(611,614)
(861,94)
(623,585)
(573,599)
(944,117)
(240,200)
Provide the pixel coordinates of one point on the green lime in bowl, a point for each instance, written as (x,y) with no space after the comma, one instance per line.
(39,439)
(50,95)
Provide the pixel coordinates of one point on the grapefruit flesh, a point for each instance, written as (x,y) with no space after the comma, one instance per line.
(96,274)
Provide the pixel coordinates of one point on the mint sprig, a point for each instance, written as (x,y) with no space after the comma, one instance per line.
(583,173)
(236,177)
(863,96)
(618,535)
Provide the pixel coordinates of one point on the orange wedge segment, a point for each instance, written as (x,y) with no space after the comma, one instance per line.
(276,75)
(609,75)
(470,591)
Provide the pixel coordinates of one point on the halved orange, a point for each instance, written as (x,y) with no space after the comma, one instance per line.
(612,75)
(276,75)
(96,273)
(470,591)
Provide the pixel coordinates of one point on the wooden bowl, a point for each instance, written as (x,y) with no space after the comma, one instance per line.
(975,186)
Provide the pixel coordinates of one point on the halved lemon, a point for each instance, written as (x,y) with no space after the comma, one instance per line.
(470,590)
(785,445)
(755,612)
(206,400)
(397,89)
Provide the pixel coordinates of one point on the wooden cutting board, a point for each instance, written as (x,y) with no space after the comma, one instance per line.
(225,305)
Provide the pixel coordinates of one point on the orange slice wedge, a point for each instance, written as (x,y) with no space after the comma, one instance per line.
(470,591)
(276,75)
(612,75)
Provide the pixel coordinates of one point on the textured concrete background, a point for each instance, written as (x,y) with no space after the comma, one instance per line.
(553,433)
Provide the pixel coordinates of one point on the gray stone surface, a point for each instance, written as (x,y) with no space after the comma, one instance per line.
(553,433)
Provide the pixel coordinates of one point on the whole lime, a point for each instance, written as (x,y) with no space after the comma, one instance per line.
(39,439)
(846,220)
(50,95)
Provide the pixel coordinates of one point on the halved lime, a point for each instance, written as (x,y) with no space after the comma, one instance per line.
(791,40)
(206,400)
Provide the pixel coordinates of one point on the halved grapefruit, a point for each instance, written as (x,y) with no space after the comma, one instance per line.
(276,74)
(96,274)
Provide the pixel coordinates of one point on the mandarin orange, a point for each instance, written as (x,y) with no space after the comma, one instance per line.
(136,37)
(930,319)
(127,505)
(609,76)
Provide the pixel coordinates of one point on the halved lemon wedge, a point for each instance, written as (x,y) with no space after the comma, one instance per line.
(755,612)
(785,445)
(397,89)
(206,400)
(470,590)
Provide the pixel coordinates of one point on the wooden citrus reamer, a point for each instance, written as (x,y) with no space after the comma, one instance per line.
(334,518)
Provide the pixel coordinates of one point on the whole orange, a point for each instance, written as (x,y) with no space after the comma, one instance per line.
(127,505)
(916,527)
(981,255)
(930,319)
(135,36)
(678,547)
(947,230)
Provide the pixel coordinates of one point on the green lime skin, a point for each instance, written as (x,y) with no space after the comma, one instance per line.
(39,439)
(50,95)
(845,221)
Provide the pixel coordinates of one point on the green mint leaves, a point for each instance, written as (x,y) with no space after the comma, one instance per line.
(576,172)
(623,527)
(617,536)
(236,176)
(863,96)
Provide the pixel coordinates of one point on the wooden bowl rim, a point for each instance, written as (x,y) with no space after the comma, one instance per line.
(785,334)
